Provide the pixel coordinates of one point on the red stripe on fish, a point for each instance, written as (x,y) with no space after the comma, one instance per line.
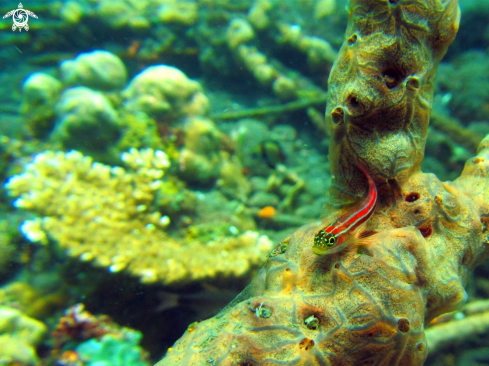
(331,238)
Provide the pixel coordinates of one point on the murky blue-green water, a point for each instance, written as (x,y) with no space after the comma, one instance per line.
(160,149)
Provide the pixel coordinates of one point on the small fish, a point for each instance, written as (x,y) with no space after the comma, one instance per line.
(281,248)
(199,305)
(348,229)
(272,153)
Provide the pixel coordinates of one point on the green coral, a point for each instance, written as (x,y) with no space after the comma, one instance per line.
(113,350)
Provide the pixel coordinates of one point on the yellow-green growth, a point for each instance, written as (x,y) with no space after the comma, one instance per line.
(105,214)
(19,337)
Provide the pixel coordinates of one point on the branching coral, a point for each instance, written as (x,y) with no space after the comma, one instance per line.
(369,304)
(105,214)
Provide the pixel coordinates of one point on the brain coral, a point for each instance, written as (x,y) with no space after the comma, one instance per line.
(86,120)
(163,91)
(99,70)
(367,305)
(104,214)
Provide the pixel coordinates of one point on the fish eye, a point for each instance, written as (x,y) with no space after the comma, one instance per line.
(331,241)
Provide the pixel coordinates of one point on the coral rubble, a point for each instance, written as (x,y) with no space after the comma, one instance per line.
(368,305)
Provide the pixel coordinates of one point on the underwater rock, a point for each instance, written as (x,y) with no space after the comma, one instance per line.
(260,149)
(318,51)
(178,11)
(99,70)
(19,337)
(200,159)
(71,11)
(323,8)
(239,31)
(37,297)
(263,199)
(231,180)
(85,121)
(257,15)
(123,13)
(40,92)
(164,92)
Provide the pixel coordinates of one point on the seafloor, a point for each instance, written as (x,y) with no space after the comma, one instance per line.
(153,152)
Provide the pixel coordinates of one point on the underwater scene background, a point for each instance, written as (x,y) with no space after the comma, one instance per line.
(154,152)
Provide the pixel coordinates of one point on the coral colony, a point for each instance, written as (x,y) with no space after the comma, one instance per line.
(159,177)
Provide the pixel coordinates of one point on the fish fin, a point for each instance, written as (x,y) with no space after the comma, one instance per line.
(366,234)
(168,300)
(350,248)
(363,237)
(359,240)
(364,242)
